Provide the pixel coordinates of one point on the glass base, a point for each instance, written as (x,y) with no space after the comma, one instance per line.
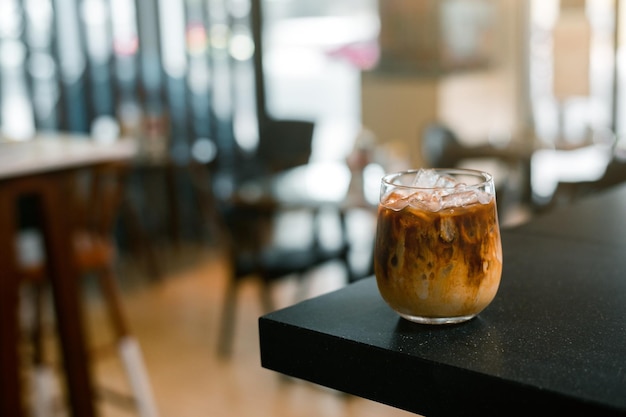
(437,320)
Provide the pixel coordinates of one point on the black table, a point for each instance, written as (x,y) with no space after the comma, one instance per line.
(553,340)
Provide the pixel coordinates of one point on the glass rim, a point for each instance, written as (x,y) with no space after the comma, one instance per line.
(486,178)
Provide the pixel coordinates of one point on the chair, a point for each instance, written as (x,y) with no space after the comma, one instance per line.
(245,231)
(94,198)
(282,144)
(441,148)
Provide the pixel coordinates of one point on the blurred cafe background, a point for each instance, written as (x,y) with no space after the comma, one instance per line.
(261,129)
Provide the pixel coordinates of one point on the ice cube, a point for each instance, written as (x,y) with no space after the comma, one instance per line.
(446,181)
(429,201)
(425,178)
(396,200)
(459,199)
(447,229)
(483,197)
(429,178)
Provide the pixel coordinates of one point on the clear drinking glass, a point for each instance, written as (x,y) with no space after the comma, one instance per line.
(438,253)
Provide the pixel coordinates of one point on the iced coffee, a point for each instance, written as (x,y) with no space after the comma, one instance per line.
(438,255)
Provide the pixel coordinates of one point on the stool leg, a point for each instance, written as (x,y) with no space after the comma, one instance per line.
(108,285)
(44,391)
(10,384)
(138,376)
(44,387)
(225,338)
(128,348)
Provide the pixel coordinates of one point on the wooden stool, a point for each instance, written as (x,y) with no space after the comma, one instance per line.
(95,195)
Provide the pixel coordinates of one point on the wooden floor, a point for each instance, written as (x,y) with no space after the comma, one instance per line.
(176,322)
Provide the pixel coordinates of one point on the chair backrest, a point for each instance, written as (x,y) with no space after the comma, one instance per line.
(440,146)
(442,149)
(97,194)
(285,144)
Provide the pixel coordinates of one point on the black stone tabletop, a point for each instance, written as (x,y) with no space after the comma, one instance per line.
(552,342)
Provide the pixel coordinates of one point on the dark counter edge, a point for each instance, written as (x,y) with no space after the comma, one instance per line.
(427,388)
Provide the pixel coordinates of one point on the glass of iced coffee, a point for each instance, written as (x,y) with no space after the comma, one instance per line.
(438,254)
